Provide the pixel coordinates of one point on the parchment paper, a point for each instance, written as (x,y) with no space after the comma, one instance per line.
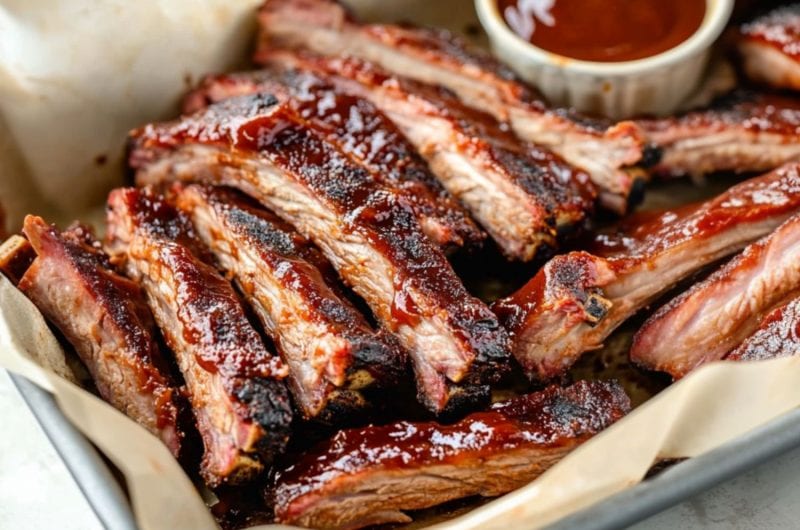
(76,75)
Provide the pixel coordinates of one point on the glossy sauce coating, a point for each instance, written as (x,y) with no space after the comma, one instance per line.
(752,111)
(779,28)
(105,317)
(604,30)
(777,336)
(259,127)
(205,302)
(565,189)
(474,74)
(302,267)
(349,189)
(366,208)
(707,321)
(359,130)
(321,26)
(645,235)
(440,46)
(565,284)
(558,193)
(234,383)
(551,418)
(338,340)
(576,299)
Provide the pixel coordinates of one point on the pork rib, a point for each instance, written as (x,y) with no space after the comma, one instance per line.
(521,195)
(358,129)
(105,318)
(578,299)
(16,255)
(714,316)
(369,476)
(778,335)
(743,131)
(770,47)
(257,144)
(332,353)
(235,385)
(439,58)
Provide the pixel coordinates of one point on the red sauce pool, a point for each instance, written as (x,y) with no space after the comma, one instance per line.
(604,30)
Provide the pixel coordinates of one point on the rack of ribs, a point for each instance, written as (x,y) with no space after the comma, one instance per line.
(769,47)
(576,300)
(778,335)
(235,385)
(260,146)
(744,131)
(332,353)
(437,57)
(103,315)
(358,129)
(522,195)
(369,476)
(709,320)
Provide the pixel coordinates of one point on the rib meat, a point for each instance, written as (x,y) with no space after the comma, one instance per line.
(439,58)
(235,385)
(778,335)
(770,47)
(369,476)
(16,255)
(715,315)
(332,353)
(578,299)
(358,129)
(522,195)
(743,132)
(105,318)
(257,144)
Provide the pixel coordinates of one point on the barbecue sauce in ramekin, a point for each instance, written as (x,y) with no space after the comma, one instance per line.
(604,30)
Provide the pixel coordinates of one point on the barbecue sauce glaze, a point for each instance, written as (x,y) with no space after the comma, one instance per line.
(604,30)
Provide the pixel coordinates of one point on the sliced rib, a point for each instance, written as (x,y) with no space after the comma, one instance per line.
(778,335)
(332,353)
(578,299)
(370,476)
(257,144)
(521,195)
(104,317)
(743,131)
(16,255)
(235,385)
(359,130)
(439,58)
(770,47)
(714,316)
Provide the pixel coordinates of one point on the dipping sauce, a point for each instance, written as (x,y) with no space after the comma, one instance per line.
(604,30)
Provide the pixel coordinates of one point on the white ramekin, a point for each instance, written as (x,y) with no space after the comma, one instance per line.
(654,85)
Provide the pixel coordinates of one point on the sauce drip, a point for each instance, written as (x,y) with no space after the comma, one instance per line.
(604,30)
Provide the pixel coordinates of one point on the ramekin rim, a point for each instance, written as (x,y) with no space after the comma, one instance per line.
(712,26)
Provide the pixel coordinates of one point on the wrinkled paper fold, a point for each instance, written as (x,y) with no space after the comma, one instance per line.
(63,119)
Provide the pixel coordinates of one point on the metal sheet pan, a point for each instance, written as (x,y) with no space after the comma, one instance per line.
(672,486)
(87,467)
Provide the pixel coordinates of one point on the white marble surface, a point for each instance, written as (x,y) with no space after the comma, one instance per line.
(37,492)
(768,497)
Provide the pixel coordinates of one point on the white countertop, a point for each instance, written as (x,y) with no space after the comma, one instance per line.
(39,494)
(36,489)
